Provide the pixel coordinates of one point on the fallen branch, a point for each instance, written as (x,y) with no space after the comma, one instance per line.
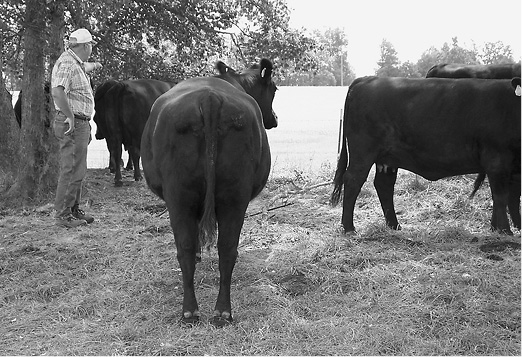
(162,213)
(281,196)
(270,209)
(301,189)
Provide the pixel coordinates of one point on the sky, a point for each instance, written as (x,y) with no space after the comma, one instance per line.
(411,26)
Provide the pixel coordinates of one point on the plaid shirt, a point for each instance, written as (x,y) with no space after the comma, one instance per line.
(69,73)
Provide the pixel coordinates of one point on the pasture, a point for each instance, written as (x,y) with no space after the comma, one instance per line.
(444,285)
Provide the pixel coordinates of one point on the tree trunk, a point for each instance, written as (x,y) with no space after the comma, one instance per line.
(10,132)
(34,164)
(54,50)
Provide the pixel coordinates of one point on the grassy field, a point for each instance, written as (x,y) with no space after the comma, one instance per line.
(444,285)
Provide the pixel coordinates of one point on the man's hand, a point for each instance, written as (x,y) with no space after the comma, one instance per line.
(60,99)
(71,126)
(91,66)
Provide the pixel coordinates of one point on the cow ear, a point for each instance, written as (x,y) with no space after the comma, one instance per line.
(223,68)
(266,70)
(515,83)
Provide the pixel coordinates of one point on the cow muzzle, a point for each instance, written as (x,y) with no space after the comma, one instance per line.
(274,122)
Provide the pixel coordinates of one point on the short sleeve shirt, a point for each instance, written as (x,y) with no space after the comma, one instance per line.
(69,73)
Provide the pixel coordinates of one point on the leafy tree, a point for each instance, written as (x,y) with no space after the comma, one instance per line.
(409,70)
(323,77)
(496,52)
(428,59)
(493,53)
(31,165)
(264,32)
(331,67)
(457,54)
(388,65)
(162,39)
(10,132)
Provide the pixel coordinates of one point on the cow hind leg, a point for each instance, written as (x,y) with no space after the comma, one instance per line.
(185,228)
(500,193)
(384,182)
(354,178)
(230,221)
(514,202)
(129,165)
(117,166)
(134,154)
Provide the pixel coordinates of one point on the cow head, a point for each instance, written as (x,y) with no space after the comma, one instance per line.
(257,82)
(99,108)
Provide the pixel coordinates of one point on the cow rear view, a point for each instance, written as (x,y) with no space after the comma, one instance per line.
(205,152)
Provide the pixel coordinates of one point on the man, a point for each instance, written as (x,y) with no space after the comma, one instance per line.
(74,102)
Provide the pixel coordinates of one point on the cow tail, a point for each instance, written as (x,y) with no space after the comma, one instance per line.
(478,182)
(342,163)
(210,108)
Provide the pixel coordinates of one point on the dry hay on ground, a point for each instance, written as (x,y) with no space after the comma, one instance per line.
(442,285)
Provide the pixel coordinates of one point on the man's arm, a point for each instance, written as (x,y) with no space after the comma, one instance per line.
(91,66)
(60,99)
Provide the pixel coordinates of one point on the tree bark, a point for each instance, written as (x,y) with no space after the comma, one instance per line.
(33,178)
(10,132)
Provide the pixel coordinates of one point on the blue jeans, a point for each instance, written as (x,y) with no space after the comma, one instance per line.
(73,162)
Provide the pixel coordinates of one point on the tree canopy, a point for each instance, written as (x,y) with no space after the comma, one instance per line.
(165,39)
(161,39)
(168,40)
(390,66)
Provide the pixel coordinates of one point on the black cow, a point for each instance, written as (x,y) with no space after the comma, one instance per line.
(491,71)
(18,106)
(121,113)
(433,127)
(205,152)
(101,124)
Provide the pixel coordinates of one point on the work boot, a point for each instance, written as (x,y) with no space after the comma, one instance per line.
(69,221)
(80,214)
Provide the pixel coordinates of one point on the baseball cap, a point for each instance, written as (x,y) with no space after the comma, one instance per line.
(81,36)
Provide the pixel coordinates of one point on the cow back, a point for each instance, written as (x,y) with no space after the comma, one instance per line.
(434,127)
(493,71)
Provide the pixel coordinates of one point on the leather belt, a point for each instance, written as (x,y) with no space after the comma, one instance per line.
(81,117)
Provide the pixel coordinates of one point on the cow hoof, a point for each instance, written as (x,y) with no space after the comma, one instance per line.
(221,319)
(350,232)
(138,178)
(189,319)
(506,231)
(118,183)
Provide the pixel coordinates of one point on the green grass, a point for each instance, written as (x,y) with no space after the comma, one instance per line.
(300,286)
